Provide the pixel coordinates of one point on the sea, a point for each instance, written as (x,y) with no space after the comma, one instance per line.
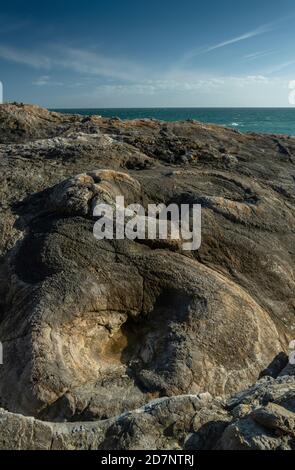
(260,120)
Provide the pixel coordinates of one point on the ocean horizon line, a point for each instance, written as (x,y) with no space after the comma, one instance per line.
(172,107)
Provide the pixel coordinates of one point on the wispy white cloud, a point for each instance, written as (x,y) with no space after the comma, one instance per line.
(258,55)
(242,37)
(101,76)
(25,57)
(150,87)
(46,80)
(42,81)
(78,60)
(278,67)
(250,34)
(87,62)
(214,91)
(190,87)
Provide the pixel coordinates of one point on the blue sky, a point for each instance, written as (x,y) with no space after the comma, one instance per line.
(109,53)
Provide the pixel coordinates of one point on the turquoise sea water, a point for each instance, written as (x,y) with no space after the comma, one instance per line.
(267,120)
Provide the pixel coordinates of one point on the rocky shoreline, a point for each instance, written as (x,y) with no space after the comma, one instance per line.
(136,344)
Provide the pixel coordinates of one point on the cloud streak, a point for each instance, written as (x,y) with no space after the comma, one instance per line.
(77,60)
(25,57)
(242,37)
(281,66)
(250,34)
(86,62)
(258,55)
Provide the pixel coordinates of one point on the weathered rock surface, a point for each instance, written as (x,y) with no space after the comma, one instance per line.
(260,418)
(93,329)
